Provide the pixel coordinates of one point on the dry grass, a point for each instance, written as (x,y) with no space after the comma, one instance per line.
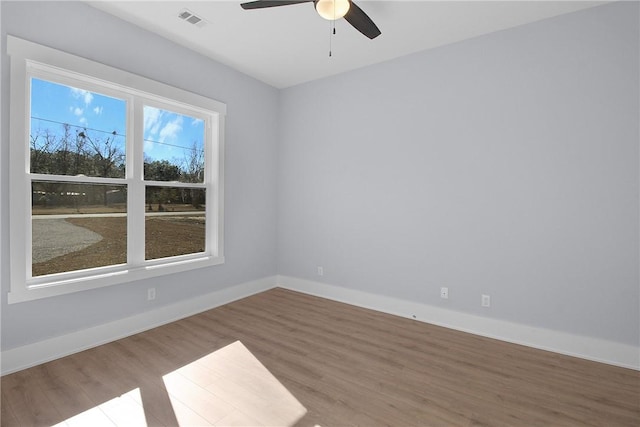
(165,237)
(171,236)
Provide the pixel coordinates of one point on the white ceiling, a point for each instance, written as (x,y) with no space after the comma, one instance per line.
(289,45)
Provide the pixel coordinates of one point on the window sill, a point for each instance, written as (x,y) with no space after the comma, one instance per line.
(113,277)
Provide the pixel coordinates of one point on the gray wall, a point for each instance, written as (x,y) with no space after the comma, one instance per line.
(250,178)
(505,164)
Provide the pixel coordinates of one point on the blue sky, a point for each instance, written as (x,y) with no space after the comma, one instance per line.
(168,136)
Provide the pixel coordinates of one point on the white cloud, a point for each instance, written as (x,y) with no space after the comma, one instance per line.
(97,110)
(78,111)
(152,120)
(85,95)
(171,129)
(196,122)
(83,120)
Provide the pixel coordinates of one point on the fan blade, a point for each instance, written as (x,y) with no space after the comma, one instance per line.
(261,4)
(361,21)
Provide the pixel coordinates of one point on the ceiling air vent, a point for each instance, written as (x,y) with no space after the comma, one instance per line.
(192,18)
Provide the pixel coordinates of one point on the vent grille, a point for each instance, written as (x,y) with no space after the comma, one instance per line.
(192,18)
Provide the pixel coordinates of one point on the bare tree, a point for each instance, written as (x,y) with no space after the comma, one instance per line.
(107,157)
(193,171)
(41,147)
(80,158)
(193,163)
(63,152)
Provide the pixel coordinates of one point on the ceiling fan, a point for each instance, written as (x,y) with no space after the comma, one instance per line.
(328,9)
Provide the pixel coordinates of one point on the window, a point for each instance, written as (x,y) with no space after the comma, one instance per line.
(114,177)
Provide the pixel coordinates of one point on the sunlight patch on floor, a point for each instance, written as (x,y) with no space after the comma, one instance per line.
(230,387)
(125,410)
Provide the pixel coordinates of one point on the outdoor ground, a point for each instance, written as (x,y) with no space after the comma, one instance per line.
(165,236)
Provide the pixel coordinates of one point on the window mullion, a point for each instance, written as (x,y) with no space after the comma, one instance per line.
(75,179)
(135,202)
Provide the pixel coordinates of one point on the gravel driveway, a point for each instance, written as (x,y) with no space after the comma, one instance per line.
(55,237)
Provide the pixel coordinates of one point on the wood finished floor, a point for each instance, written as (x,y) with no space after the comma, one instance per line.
(345,365)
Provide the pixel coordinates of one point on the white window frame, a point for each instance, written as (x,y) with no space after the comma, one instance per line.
(33,60)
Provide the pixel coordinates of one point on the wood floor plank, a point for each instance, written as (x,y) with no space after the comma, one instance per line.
(65,396)
(7,417)
(345,365)
(207,405)
(30,406)
(125,410)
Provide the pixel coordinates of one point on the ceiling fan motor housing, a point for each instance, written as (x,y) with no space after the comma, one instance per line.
(332,9)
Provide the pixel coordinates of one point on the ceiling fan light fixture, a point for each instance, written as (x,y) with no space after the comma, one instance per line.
(332,9)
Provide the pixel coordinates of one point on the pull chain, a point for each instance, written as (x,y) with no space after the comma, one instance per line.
(332,31)
(331,23)
(332,26)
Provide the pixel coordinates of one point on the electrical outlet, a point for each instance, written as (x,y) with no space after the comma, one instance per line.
(486,300)
(151,294)
(444,293)
(320,271)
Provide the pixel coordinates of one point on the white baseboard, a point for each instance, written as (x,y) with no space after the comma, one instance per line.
(559,342)
(589,348)
(43,351)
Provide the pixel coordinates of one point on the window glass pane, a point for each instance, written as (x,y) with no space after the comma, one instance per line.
(77,226)
(76,132)
(174,221)
(173,146)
